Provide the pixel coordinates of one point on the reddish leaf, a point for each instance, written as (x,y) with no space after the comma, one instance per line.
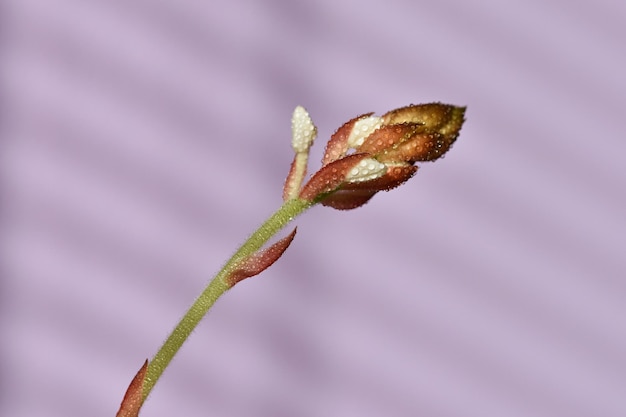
(395,176)
(259,261)
(389,136)
(348,200)
(288,187)
(432,115)
(330,177)
(421,147)
(337,146)
(133,399)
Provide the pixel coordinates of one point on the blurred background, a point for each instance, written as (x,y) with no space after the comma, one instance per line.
(142,141)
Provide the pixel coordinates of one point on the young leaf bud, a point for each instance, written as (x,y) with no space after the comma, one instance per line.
(302,129)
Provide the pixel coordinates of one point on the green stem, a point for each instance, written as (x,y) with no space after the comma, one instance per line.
(285,214)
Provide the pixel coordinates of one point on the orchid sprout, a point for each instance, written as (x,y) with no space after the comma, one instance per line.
(366,155)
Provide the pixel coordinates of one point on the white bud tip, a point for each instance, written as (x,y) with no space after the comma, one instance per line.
(366,170)
(302,129)
(362,129)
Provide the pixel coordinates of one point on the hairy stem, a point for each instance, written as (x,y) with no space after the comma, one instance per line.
(285,214)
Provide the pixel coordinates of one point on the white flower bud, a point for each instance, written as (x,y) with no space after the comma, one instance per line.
(362,129)
(303,130)
(366,170)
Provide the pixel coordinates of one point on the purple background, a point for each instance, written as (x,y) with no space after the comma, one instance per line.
(143,141)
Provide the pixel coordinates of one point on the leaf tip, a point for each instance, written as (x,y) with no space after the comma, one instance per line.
(133,399)
(259,261)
